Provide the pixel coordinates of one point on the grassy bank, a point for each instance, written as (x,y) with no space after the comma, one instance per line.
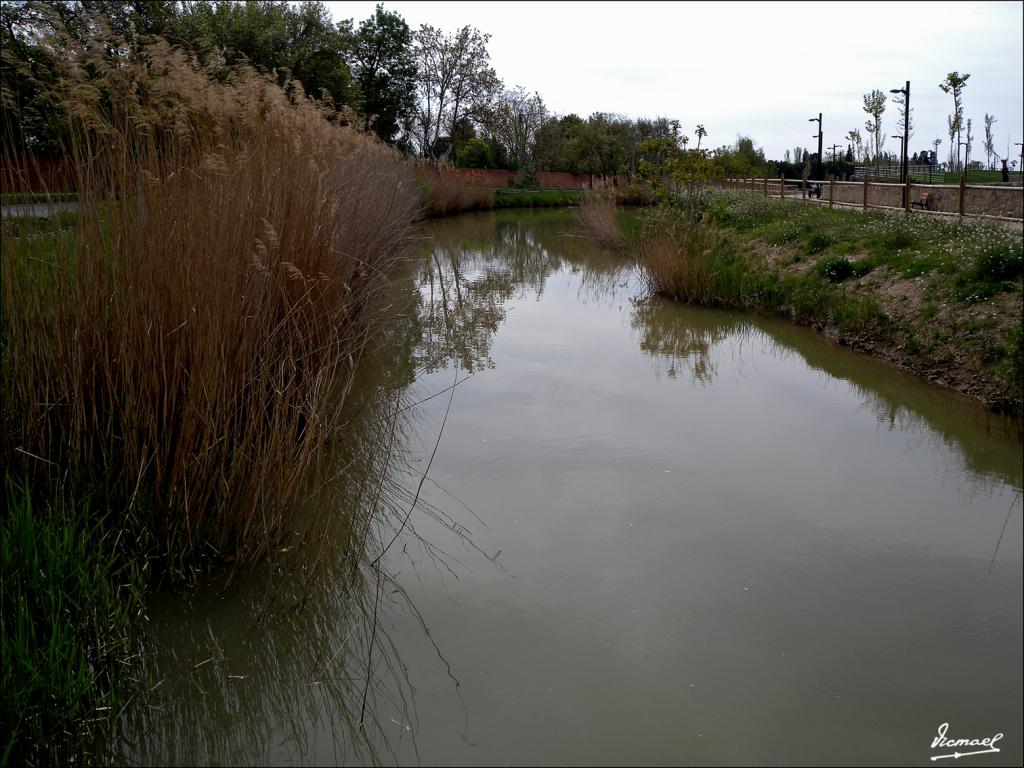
(71,597)
(536,198)
(174,357)
(940,297)
(32,198)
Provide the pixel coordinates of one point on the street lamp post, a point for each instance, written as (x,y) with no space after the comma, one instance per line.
(818,135)
(906,127)
(903,192)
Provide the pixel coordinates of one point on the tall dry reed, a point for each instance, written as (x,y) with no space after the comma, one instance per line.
(597,217)
(446,194)
(679,263)
(186,343)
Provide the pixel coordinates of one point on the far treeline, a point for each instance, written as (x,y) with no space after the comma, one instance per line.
(427,92)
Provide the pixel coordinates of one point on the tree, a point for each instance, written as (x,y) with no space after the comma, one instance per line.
(273,35)
(954,84)
(874,106)
(990,141)
(385,71)
(969,143)
(455,80)
(857,142)
(700,133)
(514,121)
(476,153)
(900,100)
(953,146)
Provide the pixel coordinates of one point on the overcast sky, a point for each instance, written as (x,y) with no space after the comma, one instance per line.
(760,69)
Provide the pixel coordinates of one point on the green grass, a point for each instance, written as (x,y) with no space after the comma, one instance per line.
(538,198)
(912,246)
(978,177)
(953,263)
(70,598)
(27,198)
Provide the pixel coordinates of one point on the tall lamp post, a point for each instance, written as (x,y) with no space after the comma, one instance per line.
(818,135)
(906,127)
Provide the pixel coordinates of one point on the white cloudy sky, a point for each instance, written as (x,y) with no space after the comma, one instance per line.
(760,69)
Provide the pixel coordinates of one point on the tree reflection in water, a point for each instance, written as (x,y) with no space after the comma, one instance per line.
(274,667)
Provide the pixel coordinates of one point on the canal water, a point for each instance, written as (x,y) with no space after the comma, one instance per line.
(643,533)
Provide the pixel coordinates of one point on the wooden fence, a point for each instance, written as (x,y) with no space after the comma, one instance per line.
(956,199)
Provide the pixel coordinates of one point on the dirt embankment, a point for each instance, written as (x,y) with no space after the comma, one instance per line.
(948,342)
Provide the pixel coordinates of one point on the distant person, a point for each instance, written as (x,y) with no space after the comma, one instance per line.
(1006,172)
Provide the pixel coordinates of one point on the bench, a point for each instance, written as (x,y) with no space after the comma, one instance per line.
(924,200)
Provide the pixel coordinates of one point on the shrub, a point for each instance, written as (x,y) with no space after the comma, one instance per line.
(835,270)
(818,242)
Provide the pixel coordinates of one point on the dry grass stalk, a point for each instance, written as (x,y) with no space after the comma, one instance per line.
(447,194)
(679,264)
(188,340)
(597,217)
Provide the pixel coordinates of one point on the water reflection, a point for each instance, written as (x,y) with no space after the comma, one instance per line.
(471,267)
(738,462)
(679,342)
(296,664)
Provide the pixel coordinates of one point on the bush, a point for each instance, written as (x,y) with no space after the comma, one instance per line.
(818,242)
(835,270)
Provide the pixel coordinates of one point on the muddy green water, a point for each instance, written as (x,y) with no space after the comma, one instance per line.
(650,534)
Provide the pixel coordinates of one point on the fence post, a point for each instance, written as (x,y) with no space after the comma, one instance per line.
(906,192)
(865,192)
(803,188)
(752,182)
(831,184)
(782,186)
(766,185)
(963,190)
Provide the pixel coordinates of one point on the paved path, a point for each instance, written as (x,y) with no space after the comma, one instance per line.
(41,210)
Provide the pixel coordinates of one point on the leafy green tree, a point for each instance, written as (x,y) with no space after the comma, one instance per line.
(385,71)
(874,106)
(954,84)
(476,153)
(274,35)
